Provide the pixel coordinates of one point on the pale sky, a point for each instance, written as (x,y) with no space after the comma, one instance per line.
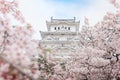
(36,12)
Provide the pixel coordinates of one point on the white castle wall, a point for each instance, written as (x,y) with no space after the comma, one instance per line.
(61,37)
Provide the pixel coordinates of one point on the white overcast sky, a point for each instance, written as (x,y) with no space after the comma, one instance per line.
(36,12)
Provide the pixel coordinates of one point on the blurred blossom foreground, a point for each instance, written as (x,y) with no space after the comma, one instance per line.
(64,52)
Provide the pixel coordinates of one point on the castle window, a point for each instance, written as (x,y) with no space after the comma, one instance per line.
(65,27)
(58,28)
(68,28)
(55,28)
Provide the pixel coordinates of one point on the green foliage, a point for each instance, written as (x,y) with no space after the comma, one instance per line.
(45,66)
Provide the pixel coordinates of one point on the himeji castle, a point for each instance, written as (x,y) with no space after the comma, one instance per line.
(61,37)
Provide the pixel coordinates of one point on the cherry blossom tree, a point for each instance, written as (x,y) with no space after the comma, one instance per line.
(99,56)
(16,46)
(98,59)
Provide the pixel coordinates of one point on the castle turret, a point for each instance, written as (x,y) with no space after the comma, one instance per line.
(61,37)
